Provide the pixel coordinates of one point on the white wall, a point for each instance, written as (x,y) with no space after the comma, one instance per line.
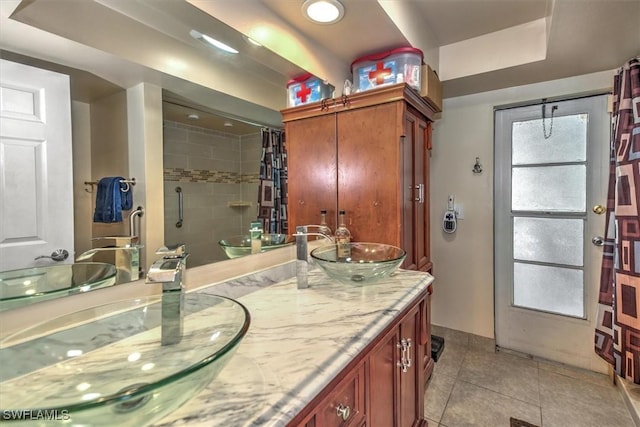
(109,156)
(144,118)
(463,262)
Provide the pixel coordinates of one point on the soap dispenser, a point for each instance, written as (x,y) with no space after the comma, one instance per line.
(343,238)
(255,233)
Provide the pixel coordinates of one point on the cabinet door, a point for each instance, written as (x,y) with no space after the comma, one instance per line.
(383,381)
(421,172)
(415,189)
(311,150)
(368,171)
(410,407)
(396,386)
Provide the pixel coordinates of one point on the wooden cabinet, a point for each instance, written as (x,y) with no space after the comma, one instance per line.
(384,385)
(369,156)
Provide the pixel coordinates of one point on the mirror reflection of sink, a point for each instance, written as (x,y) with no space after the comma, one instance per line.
(238,246)
(105,366)
(362,263)
(29,285)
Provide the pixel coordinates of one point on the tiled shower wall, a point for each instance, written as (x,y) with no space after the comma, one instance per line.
(213,169)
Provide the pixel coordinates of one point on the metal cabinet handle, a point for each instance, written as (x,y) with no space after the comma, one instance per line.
(405,357)
(420,196)
(180,207)
(343,412)
(57,255)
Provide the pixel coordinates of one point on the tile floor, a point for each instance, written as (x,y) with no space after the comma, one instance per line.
(472,385)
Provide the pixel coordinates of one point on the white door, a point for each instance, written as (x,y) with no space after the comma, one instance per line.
(36,192)
(549,175)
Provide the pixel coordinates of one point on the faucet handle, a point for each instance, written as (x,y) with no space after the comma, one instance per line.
(172,251)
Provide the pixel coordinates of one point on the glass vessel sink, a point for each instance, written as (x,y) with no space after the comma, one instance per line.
(238,246)
(105,366)
(366,263)
(29,285)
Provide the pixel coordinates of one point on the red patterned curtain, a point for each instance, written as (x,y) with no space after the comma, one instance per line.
(617,337)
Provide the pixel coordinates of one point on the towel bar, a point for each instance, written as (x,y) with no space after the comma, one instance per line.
(131,181)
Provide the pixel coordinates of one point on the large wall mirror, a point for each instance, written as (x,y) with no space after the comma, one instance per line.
(214,110)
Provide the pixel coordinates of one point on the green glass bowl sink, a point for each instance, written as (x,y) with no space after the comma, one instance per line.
(365,262)
(238,246)
(30,285)
(105,366)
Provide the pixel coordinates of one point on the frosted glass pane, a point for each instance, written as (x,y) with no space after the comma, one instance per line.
(554,289)
(549,188)
(557,241)
(568,141)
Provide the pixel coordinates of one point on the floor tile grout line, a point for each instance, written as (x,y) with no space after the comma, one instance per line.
(455,381)
(497,392)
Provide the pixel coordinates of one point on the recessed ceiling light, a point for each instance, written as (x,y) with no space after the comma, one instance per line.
(323,11)
(193,116)
(210,41)
(228,124)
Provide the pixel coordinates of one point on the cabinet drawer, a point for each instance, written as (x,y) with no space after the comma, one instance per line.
(345,405)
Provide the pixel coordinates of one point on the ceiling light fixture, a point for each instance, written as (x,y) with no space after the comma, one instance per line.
(323,11)
(253,42)
(210,41)
(193,116)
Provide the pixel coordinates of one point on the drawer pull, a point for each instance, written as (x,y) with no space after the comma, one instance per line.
(343,412)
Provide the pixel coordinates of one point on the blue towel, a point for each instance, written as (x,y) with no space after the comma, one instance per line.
(111,199)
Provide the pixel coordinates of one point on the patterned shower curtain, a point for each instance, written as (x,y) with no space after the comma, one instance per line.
(272,194)
(617,337)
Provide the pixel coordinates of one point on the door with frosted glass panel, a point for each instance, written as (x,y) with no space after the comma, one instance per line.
(549,176)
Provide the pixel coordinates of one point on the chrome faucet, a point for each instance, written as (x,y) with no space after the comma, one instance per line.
(125,258)
(169,270)
(302,256)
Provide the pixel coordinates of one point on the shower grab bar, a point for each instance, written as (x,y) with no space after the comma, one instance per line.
(180,207)
(132,229)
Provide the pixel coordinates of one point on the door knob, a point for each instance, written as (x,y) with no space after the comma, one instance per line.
(598,241)
(599,209)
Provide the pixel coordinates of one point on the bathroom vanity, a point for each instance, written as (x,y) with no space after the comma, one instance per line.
(329,355)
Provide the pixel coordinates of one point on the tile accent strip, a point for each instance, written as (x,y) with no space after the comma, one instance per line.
(199,175)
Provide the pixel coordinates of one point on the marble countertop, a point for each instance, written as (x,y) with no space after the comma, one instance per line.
(298,341)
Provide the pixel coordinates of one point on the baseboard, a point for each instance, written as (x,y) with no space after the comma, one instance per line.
(631,394)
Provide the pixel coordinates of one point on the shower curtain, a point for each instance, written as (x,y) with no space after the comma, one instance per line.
(272,193)
(617,336)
